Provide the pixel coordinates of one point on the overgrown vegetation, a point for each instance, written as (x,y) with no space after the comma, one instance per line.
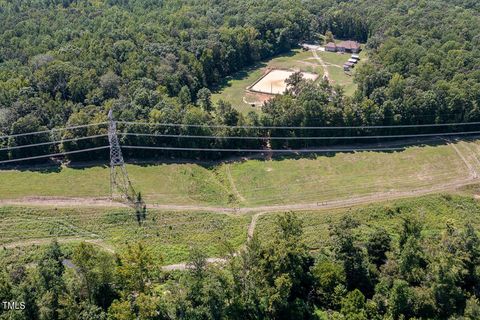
(166,233)
(401,275)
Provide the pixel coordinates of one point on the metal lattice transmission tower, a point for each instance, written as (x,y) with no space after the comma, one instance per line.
(120,185)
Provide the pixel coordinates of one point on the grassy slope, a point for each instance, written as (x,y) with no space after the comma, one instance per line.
(167,234)
(434,211)
(345,175)
(173,183)
(259,182)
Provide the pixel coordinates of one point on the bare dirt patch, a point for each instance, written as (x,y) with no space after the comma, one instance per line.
(274,81)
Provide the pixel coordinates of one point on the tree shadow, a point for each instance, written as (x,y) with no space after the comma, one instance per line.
(53,166)
(390,147)
(245,72)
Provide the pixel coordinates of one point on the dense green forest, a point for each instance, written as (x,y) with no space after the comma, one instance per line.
(351,277)
(66,62)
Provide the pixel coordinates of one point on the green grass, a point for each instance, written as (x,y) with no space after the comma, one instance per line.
(168,234)
(233,88)
(433,211)
(345,175)
(172,183)
(258,182)
(335,63)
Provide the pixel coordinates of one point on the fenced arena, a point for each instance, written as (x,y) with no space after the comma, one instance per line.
(273,82)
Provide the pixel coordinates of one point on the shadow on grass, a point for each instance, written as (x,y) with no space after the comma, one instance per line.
(216,159)
(390,147)
(53,166)
(245,72)
(239,75)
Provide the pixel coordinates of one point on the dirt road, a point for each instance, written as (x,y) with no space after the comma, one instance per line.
(326,74)
(327,204)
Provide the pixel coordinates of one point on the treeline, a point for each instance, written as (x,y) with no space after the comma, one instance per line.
(68,62)
(352,276)
(306,104)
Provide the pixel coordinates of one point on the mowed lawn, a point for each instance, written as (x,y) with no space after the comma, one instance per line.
(168,235)
(347,175)
(167,183)
(258,182)
(334,62)
(234,88)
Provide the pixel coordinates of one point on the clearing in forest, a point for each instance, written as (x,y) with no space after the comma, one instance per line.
(235,88)
(256,183)
(169,234)
(274,81)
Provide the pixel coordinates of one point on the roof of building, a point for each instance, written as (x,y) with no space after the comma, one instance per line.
(349,44)
(331,45)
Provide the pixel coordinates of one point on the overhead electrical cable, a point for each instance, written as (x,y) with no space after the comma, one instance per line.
(295,138)
(52,142)
(263,150)
(51,130)
(297,127)
(53,155)
(240,127)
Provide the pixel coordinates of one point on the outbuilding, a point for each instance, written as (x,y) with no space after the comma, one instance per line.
(331,47)
(349,46)
(348,65)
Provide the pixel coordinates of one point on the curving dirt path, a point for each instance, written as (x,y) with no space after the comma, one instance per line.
(253,224)
(326,74)
(327,204)
(473,172)
(43,241)
(232,184)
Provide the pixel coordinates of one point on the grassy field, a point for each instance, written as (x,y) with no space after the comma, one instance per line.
(172,183)
(433,211)
(258,182)
(334,62)
(345,175)
(170,235)
(233,89)
(167,234)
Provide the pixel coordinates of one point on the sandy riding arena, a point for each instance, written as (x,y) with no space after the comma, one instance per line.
(274,81)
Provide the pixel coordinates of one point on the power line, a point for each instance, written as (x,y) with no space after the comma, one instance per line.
(240,127)
(296,138)
(262,150)
(297,127)
(51,130)
(52,142)
(54,155)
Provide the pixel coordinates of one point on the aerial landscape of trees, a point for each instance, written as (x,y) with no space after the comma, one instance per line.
(68,62)
(373,276)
